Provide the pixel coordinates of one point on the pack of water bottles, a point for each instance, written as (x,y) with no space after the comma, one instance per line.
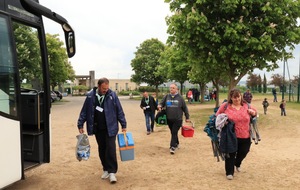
(83,147)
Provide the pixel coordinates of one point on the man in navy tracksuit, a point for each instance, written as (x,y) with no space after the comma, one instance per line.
(102,111)
(175,107)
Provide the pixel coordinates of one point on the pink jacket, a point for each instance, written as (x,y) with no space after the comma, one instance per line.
(241,118)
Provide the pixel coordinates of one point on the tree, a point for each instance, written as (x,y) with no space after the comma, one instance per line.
(265,84)
(237,36)
(197,76)
(295,81)
(146,63)
(175,65)
(59,67)
(277,80)
(259,87)
(252,81)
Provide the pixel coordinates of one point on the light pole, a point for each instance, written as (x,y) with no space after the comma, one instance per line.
(298,83)
(283,78)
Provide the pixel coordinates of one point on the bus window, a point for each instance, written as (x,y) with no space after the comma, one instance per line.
(28,56)
(7,72)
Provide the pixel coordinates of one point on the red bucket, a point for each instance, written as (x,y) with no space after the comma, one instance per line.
(187,130)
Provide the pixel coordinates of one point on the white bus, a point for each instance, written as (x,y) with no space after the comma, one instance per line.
(25,126)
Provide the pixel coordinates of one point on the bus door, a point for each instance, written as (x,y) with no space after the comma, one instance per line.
(24,94)
(25,87)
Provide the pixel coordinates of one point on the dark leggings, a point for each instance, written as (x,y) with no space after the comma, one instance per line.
(174,126)
(236,158)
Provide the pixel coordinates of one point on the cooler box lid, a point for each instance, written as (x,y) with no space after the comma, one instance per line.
(122,140)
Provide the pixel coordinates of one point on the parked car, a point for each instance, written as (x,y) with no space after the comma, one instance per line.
(59,94)
(53,96)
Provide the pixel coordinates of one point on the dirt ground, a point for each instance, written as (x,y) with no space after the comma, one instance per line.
(272,164)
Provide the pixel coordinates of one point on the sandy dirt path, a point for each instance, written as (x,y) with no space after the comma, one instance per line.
(272,164)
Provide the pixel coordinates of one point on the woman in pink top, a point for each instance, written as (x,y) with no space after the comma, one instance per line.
(238,111)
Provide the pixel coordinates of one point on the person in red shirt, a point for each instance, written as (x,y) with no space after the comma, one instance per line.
(238,111)
(190,96)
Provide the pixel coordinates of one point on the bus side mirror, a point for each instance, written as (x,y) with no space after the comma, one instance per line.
(69,39)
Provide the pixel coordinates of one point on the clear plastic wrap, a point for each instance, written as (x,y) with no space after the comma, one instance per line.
(82,147)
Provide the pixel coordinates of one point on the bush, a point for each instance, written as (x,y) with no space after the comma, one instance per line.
(126,93)
(146,88)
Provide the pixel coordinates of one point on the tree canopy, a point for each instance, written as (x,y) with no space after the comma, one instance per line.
(60,69)
(29,57)
(235,36)
(146,63)
(175,65)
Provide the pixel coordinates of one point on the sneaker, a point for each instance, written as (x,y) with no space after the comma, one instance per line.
(148,132)
(112,178)
(229,177)
(238,169)
(105,175)
(178,147)
(172,150)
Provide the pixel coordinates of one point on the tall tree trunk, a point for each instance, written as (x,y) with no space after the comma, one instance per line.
(181,88)
(202,91)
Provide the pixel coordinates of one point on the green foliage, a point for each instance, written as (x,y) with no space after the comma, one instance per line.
(175,64)
(146,63)
(60,69)
(235,36)
(127,93)
(29,57)
(80,87)
(28,52)
(265,84)
(146,88)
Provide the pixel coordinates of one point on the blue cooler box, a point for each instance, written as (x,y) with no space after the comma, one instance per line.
(126,146)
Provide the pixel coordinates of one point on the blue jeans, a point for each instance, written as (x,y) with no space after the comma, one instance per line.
(275,98)
(149,117)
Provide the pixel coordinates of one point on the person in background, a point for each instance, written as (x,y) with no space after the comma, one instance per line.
(282,107)
(102,111)
(148,104)
(265,104)
(214,94)
(190,96)
(175,107)
(155,98)
(248,96)
(238,111)
(274,94)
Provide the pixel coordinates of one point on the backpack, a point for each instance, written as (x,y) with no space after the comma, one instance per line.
(281,105)
(161,117)
(265,104)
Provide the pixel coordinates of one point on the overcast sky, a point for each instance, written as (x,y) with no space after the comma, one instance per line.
(108,32)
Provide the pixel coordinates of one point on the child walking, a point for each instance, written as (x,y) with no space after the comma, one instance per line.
(282,107)
(265,104)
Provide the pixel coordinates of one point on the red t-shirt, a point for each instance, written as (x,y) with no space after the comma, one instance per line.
(240,117)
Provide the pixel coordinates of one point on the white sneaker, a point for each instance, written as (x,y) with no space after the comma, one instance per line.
(172,150)
(112,178)
(230,177)
(105,175)
(238,169)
